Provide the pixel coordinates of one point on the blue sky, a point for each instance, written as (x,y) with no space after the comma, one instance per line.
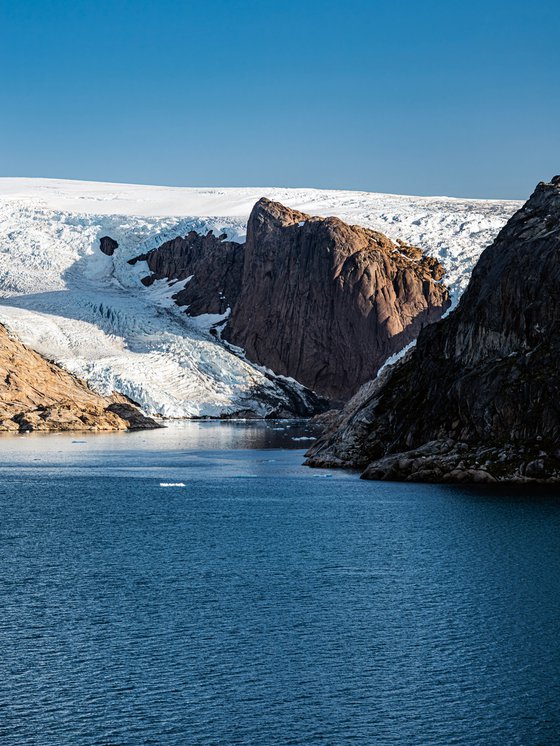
(425,97)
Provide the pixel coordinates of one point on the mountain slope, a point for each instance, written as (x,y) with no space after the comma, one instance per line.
(76,305)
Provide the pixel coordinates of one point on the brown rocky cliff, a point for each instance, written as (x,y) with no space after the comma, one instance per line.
(311,298)
(327,303)
(479,397)
(36,394)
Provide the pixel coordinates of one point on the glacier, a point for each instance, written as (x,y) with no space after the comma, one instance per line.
(90,312)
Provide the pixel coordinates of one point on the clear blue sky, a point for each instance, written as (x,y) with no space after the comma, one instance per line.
(418,97)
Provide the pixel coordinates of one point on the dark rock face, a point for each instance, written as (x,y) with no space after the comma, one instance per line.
(481,391)
(311,298)
(215,265)
(108,245)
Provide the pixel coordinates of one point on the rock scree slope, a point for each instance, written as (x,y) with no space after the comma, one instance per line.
(478,399)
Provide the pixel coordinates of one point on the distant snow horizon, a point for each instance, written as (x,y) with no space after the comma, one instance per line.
(15,183)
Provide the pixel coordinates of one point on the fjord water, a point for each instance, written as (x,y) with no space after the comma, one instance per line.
(264,602)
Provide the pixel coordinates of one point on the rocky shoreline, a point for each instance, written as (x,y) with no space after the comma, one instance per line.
(38,395)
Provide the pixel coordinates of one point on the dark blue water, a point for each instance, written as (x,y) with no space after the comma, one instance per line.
(265,603)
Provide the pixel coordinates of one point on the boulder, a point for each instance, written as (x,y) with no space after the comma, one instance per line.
(108,245)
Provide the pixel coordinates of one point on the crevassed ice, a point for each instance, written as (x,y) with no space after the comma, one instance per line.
(90,312)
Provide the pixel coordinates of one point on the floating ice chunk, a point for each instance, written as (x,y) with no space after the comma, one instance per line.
(172,484)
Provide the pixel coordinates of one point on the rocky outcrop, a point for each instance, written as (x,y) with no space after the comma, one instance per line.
(108,245)
(478,399)
(311,298)
(215,265)
(36,394)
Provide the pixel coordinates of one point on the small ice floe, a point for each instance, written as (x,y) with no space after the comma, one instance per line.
(305,437)
(172,484)
(323,476)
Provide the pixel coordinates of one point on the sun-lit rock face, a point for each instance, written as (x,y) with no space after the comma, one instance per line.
(326,302)
(36,394)
(479,396)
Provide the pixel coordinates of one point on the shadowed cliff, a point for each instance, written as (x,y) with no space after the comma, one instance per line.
(478,398)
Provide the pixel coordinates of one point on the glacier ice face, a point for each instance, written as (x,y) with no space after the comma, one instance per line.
(90,312)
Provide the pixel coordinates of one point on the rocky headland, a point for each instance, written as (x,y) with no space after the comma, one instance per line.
(478,398)
(36,394)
